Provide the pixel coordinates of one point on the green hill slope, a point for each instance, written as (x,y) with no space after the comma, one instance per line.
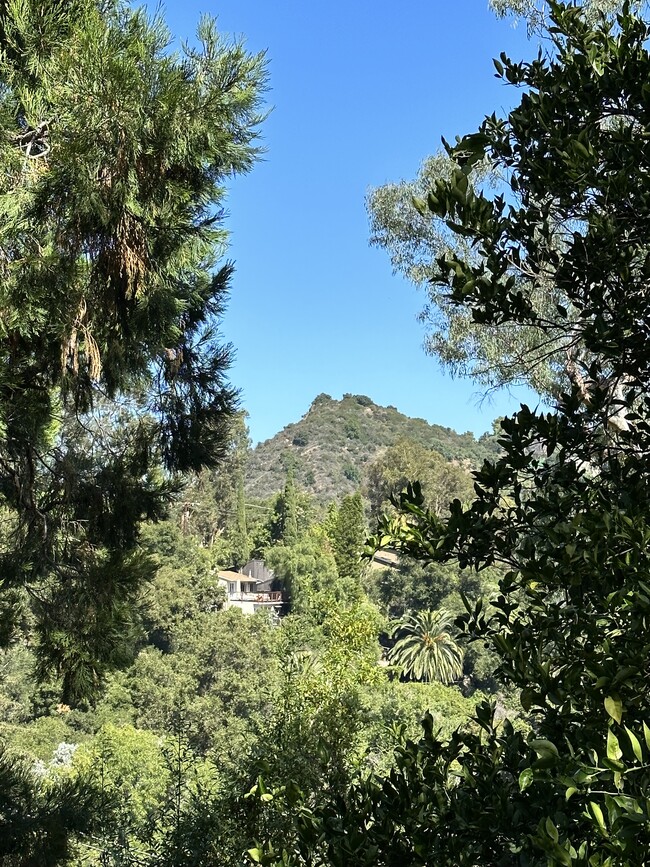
(331,447)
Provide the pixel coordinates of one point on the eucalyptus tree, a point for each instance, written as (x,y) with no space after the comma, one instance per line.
(114,151)
(536,12)
(492,357)
(545,357)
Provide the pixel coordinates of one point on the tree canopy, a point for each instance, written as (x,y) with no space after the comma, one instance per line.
(510,353)
(441,481)
(536,12)
(114,151)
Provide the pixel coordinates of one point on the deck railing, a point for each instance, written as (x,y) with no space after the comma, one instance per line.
(269,597)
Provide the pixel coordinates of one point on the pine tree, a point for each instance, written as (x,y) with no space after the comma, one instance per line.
(113,154)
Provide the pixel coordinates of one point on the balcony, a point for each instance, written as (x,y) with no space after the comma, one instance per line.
(273,597)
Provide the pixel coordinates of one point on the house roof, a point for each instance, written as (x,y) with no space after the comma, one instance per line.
(229,575)
(257,570)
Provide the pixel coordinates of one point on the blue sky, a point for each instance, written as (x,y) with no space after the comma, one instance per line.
(361,92)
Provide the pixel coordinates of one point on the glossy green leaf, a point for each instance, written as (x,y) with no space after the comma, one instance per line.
(635,744)
(597,813)
(551,830)
(613,747)
(646,734)
(526,778)
(614,707)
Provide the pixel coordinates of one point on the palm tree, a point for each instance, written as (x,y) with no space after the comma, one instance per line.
(425,649)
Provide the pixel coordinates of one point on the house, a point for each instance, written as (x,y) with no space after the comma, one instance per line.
(252,587)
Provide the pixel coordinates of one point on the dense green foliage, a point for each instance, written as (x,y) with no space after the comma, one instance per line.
(145,719)
(348,535)
(159,767)
(216,700)
(114,151)
(565,509)
(441,480)
(179,738)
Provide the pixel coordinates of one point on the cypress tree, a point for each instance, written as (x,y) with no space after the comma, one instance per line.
(290,511)
(349,537)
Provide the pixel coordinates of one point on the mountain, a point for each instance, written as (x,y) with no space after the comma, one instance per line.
(333,444)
